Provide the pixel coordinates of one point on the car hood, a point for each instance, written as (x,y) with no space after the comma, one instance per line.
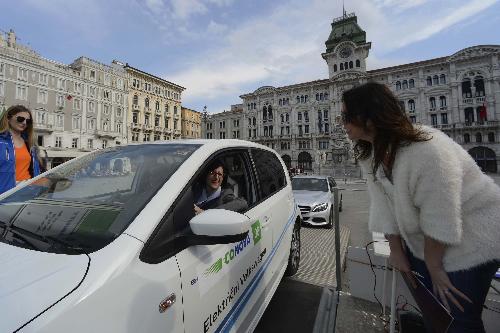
(32,281)
(311,197)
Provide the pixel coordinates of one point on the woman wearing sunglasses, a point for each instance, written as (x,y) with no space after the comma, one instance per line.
(440,213)
(18,158)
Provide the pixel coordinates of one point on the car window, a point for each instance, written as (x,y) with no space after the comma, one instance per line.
(88,202)
(170,236)
(269,171)
(309,184)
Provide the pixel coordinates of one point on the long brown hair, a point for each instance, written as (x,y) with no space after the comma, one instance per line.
(12,111)
(374,102)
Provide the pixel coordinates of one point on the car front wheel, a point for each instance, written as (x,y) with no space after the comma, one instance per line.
(294,256)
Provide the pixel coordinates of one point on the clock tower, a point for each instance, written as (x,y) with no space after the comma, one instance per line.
(346,47)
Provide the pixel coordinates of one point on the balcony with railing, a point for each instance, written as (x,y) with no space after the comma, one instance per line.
(148,127)
(158,129)
(43,127)
(136,126)
(487,124)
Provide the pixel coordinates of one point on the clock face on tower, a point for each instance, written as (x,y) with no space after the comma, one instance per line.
(345,52)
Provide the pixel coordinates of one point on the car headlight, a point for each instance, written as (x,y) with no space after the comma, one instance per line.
(320,207)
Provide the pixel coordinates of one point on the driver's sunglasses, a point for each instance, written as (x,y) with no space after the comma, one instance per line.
(215,173)
(21,119)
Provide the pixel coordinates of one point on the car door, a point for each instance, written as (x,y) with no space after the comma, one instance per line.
(276,206)
(222,283)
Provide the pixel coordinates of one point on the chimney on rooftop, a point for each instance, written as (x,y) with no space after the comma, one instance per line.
(11,39)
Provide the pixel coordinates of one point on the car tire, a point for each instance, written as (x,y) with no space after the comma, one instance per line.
(330,219)
(294,256)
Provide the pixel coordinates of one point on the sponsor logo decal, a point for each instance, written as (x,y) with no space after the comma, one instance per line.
(233,292)
(256,232)
(228,257)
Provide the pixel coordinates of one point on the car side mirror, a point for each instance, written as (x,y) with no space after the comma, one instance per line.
(219,226)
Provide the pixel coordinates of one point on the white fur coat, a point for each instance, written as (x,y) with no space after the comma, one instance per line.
(438,191)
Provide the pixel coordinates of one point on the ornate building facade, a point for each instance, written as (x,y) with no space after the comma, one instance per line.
(190,124)
(76,108)
(459,94)
(155,107)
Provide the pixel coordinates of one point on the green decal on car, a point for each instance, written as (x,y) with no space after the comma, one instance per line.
(256,232)
(232,253)
(215,268)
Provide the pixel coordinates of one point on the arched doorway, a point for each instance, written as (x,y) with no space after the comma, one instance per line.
(305,161)
(288,161)
(485,158)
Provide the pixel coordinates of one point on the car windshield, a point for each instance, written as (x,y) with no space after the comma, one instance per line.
(309,184)
(86,203)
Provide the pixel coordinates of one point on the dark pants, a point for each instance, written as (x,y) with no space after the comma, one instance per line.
(474,283)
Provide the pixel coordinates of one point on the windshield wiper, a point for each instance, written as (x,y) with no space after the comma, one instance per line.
(20,233)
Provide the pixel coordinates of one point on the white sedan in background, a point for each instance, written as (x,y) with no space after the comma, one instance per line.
(315,198)
(109,242)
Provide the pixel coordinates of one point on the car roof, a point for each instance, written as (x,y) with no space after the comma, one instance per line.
(208,143)
(312,176)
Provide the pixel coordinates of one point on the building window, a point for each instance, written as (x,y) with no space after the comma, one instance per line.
(466,138)
(306,116)
(77,104)
(358,63)
(119,127)
(432,102)
(76,122)
(479,137)
(59,120)
(90,124)
(491,137)
(398,85)
(444,118)
(442,79)
(334,67)
(42,96)
(429,81)
(146,102)
(435,80)
(442,101)
(22,93)
(105,109)
(413,119)
(58,142)
(306,129)
(434,120)
(105,143)
(91,106)
(90,144)
(74,143)
(405,84)
(411,105)
(411,83)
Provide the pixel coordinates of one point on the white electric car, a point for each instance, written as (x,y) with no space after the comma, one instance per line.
(109,242)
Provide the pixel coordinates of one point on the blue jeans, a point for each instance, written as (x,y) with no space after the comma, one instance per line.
(473,282)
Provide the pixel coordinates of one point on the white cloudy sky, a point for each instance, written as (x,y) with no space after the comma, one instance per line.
(220,49)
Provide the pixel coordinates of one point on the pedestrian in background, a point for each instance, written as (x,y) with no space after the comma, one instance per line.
(18,157)
(440,213)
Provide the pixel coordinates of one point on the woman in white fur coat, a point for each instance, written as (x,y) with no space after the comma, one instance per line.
(440,213)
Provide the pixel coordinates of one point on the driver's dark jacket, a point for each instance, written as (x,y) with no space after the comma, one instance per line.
(226,200)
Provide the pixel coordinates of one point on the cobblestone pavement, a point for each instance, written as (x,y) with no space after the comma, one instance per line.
(317,262)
